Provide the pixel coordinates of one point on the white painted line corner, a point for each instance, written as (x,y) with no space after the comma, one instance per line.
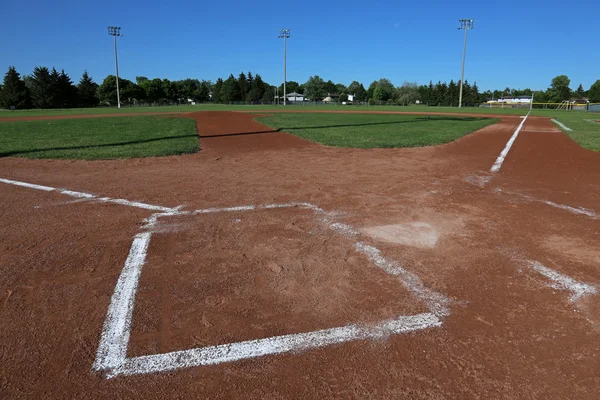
(564,282)
(270,346)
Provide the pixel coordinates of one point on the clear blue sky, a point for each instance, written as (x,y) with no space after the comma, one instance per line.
(515,43)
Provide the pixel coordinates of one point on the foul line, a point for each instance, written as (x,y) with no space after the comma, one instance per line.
(573,210)
(502,156)
(89,196)
(563,126)
(564,282)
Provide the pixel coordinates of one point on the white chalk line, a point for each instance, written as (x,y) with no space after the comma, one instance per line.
(436,302)
(502,156)
(27,185)
(114,339)
(111,355)
(270,346)
(573,210)
(564,282)
(112,351)
(563,126)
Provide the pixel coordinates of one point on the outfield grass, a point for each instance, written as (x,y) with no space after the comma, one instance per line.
(376,130)
(585,130)
(99,138)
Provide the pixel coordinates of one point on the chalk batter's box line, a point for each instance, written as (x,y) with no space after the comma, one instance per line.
(112,350)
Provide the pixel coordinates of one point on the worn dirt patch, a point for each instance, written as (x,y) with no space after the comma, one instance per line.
(417,234)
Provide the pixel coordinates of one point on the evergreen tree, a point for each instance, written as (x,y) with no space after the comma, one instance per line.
(86,91)
(243,87)
(432,100)
(14,92)
(54,89)
(217,91)
(42,91)
(451,98)
(580,92)
(257,91)
(475,94)
(67,92)
(231,90)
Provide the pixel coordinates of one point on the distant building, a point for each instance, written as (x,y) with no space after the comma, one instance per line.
(511,100)
(331,97)
(294,97)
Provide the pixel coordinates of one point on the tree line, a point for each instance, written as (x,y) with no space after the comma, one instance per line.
(48,88)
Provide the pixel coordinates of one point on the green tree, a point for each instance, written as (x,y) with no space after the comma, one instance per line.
(202,93)
(290,87)
(257,90)
(67,92)
(230,91)
(580,91)
(341,88)
(330,87)
(268,94)
(41,87)
(155,91)
(451,98)
(357,89)
(314,88)
(343,97)
(407,94)
(378,93)
(559,89)
(387,89)
(594,92)
(243,87)
(128,91)
(86,91)
(539,96)
(14,92)
(216,91)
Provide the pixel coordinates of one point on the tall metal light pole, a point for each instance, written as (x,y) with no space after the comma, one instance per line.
(285,34)
(116,31)
(465,24)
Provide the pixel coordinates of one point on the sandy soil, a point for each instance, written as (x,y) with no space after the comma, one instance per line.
(511,333)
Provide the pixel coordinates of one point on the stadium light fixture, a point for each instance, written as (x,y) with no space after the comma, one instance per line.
(465,24)
(284,34)
(116,31)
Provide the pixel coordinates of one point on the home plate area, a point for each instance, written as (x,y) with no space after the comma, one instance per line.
(225,284)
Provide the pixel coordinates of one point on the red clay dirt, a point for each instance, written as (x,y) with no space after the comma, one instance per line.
(251,274)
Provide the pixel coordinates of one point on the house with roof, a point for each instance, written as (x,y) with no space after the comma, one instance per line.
(294,97)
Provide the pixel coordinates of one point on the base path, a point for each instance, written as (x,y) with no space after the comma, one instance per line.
(514,252)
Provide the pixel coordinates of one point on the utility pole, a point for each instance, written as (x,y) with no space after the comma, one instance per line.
(116,31)
(285,34)
(465,24)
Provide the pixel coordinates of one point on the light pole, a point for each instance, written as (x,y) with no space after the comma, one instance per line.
(465,24)
(116,31)
(285,34)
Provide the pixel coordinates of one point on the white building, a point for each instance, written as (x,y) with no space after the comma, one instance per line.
(294,97)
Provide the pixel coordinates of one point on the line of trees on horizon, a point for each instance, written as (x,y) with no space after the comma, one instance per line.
(47,89)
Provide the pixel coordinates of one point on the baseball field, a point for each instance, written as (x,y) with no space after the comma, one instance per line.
(270,253)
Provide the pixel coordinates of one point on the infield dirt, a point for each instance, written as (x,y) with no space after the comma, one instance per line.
(209,280)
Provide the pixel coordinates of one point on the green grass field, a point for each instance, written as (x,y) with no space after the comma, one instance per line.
(585,131)
(99,138)
(376,130)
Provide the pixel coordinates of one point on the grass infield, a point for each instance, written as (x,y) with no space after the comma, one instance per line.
(376,130)
(99,138)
